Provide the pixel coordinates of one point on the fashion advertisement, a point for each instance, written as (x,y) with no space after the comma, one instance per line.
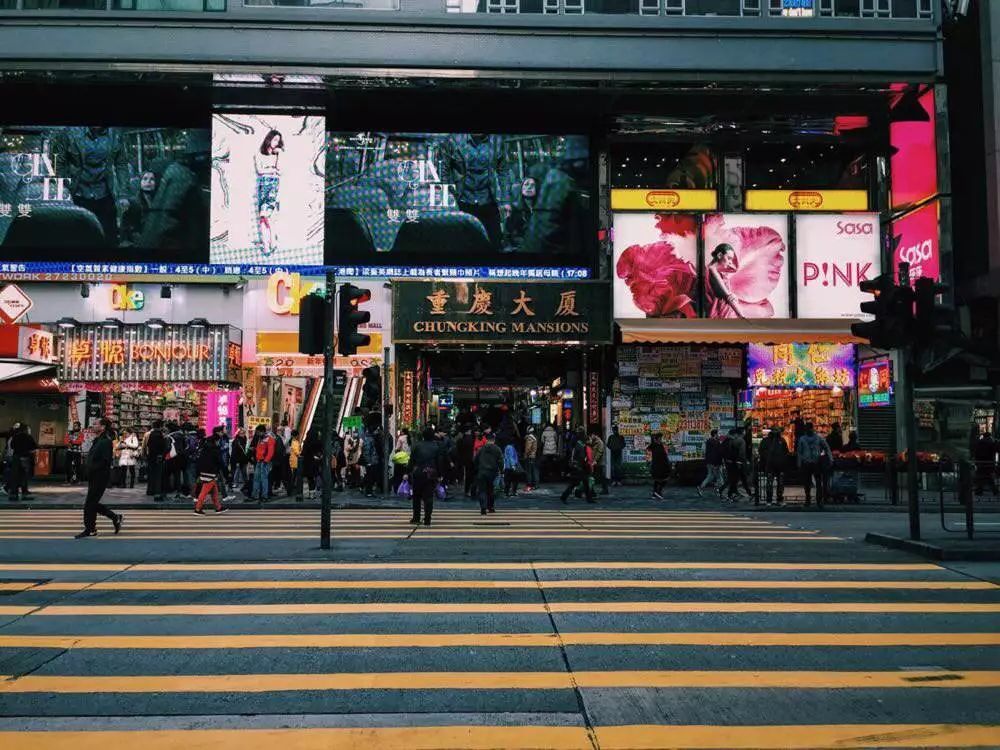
(916,239)
(656,259)
(746,265)
(460,194)
(267,189)
(100,193)
(835,253)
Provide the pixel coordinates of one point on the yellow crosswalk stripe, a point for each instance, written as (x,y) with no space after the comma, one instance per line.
(160,610)
(497,640)
(428,537)
(608,583)
(266,683)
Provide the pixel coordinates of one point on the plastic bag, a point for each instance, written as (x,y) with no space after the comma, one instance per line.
(440,491)
(401,458)
(404,489)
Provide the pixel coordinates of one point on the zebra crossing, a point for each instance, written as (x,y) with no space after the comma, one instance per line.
(503,654)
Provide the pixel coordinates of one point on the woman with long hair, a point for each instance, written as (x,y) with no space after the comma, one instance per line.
(266,165)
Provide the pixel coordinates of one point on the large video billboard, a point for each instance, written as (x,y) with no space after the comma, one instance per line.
(101,193)
(460,195)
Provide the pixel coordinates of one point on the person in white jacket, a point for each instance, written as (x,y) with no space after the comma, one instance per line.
(128,457)
(550,451)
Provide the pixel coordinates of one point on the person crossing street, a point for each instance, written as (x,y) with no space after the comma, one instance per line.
(99,460)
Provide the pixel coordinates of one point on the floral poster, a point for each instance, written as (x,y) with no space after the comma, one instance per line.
(656,257)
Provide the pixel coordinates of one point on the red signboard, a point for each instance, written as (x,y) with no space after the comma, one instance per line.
(916,240)
(14,303)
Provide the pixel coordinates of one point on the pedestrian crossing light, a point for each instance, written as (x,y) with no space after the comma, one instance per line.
(892,308)
(314,322)
(934,322)
(371,389)
(351,316)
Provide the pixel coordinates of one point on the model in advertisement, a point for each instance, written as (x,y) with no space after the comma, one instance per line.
(267,189)
(745,266)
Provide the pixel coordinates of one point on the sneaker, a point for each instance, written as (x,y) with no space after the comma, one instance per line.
(657,495)
(700,493)
(198,512)
(117,521)
(482,512)
(228,498)
(491,510)
(222,510)
(85,533)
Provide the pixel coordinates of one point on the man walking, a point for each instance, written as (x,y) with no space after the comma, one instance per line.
(22,447)
(531,460)
(581,466)
(263,456)
(773,462)
(600,476)
(99,460)
(736,461)
(425,473)
(713,464)
(659,465)
(489,464)
(810,451)
(616,447)
(156,451)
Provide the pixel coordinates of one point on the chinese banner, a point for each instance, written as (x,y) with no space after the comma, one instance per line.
(801,365)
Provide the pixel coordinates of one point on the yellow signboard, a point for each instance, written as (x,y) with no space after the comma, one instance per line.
(663,200)
(806,200)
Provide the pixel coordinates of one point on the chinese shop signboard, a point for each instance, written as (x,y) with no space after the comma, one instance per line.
(27,344)
(801,365)
(501,311)
(140,353)
(875,383)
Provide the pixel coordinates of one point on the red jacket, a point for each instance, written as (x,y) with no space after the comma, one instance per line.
(265,450)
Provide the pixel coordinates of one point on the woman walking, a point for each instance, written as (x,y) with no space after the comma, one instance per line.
(659,465)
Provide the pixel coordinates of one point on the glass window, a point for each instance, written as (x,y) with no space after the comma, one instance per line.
(662,165)
(713,7)
(190,6)
(64,4)
(847,8)
(355,4)
(782,166)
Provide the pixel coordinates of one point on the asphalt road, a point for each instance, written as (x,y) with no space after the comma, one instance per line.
(584,628)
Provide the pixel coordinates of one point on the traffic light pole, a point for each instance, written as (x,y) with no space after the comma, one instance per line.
(910,433)
(328,416)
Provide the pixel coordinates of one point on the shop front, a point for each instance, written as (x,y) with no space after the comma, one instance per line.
(480,351)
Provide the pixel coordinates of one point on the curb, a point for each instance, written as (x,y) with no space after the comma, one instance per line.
(934,551)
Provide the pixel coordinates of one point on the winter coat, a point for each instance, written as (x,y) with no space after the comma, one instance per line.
(489,461)
(128,450)
(530,447)
(550,441)
(773,453)
(659,461)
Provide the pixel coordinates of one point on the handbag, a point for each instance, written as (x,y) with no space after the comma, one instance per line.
(404,488)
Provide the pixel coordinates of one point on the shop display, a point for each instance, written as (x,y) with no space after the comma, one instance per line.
(683,392)
(137,409)
(777,407)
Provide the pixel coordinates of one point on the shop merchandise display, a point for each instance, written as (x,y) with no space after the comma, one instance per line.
(822,406)
(683,392)
(136,409)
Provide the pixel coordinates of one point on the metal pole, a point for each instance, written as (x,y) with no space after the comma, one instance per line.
(910,426)
(328,415)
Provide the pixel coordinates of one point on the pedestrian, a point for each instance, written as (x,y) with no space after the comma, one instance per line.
(852,443)
(311,460)
(263,457)
(402,441)
(209,465)
(99,460)
(128,453)
(616,447)
(425,473)
(810,452)
(371,459)
(352,452)
(239,458)
(735,455)
(74,454)
(177,462)
(773,454)
(530,460)
(835,438)
(659,464)
(156,453)
(550,452)
(489,463)
(580,467)
(600,476)
(22,447)
(985,457)
(511,470)
(713,464)
(279,462)
(294,465)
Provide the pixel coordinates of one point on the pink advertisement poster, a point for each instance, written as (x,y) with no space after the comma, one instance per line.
(835,253)
(746,265)
(916,240)
(914,161)
(221,408)
(656,257)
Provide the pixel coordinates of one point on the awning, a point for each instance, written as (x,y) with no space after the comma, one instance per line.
(737,331)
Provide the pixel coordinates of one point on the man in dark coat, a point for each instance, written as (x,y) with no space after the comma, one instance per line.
(488,465)
(22,447)
(425,473)
(156,455)
(99,460)
(773,453)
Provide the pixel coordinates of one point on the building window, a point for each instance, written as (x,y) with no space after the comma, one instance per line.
(64,5)
(680,166)
(335,4)
(191,6)
(782,166)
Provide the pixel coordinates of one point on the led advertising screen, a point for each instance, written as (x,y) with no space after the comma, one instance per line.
(800,365)
(834,253)
(875,383)
(916,240)
(746,265)
(457,194)
(656,261)
(267,189)
(913,164)
(100,193)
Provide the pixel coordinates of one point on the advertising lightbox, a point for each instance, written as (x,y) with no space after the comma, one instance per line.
(913,164)
(656,261)
(801,365)
(916,240)
(875,383)
(834,253)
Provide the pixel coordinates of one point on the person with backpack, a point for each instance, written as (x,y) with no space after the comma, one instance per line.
(238,459)
(811,453)
(371,459)
(176,454)
(600,476)
(263,453)
(22,448)
(581,467)
(511,470)
(425,473)
(773,454)
(713,464)
(659,464)
(279,463)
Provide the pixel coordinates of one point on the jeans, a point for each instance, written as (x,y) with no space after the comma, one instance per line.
(487,490)
(531,468)
(240,476)
(809,472)
(617,468)
(97,482)
(510,481)
(770,477)
(261,481)
(737,476)
(714,477)
(74,468)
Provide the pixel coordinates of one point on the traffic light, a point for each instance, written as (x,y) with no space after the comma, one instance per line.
(892,309)
(351,316)
(314,323)
(933,321)
(371,388)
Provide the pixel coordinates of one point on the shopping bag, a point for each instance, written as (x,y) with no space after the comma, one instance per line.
(404,488)
(440,491)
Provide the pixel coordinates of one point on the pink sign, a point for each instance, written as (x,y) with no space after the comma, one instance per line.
(914,161)
(222,408)
(916,240)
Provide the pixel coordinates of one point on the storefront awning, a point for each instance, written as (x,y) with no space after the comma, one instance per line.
(737,331)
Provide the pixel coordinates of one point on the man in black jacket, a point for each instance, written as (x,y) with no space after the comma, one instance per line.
(489,464)
(22,446)
(774,461)
(98,474)
(156,454)
(425,472)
